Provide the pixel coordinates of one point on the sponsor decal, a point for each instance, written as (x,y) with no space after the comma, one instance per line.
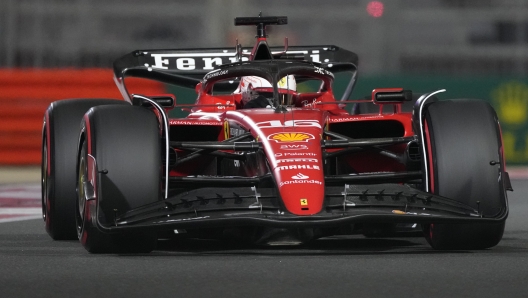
(298,167)
(289,123)
(323,71)
(304,202)
(297,160)
(197,122)
(346,119)
(300,176)
(236,162)
(222,106)
(308,104)
(290,137)
(295,153)
(283,83)
(215,74)
(311,181)
(192,61)
(294,147)
(208,61)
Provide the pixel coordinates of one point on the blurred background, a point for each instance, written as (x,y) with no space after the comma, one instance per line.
(57,49)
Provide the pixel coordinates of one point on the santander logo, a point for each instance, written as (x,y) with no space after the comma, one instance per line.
(300,176)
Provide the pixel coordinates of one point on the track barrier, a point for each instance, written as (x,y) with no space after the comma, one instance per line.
(26,93)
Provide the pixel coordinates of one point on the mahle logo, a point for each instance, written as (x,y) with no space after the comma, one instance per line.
(512,101)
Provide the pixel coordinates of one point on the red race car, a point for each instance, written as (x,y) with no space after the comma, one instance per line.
(269,154)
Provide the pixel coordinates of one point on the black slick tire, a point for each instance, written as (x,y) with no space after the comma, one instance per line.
(465,163)
(60,136)
(124,142)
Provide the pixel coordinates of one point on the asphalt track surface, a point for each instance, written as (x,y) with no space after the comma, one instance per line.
(32,265)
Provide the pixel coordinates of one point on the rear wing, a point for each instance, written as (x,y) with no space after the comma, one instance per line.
(186,67)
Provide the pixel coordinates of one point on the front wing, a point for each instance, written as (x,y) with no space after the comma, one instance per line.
(249,206)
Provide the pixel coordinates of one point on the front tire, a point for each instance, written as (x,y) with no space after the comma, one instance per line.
(465,163)
(124,144)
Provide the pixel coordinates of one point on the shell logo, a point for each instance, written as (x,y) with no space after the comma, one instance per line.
(290,137)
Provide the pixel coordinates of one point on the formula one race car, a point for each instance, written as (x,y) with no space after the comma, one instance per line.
(268,153)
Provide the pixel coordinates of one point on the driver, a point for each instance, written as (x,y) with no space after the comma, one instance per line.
(258,92)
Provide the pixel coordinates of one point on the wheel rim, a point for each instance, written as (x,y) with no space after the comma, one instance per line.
(81,196)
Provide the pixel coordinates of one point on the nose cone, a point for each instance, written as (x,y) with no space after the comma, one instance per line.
(301,186)
(292,143)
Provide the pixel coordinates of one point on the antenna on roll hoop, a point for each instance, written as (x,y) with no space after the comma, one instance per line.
(261,23)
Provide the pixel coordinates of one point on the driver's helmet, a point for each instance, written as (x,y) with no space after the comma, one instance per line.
(251,87)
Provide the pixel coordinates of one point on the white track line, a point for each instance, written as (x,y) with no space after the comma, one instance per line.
(28,217)
(25,211)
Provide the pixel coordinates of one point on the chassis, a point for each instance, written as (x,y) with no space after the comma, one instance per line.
(300,169)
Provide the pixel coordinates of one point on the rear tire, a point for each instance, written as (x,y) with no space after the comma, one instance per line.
(125,143)
(60,136)
(465,163)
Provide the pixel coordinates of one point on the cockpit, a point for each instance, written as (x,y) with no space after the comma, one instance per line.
(266,84)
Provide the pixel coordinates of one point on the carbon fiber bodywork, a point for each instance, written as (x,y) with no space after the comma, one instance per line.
(225,207)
